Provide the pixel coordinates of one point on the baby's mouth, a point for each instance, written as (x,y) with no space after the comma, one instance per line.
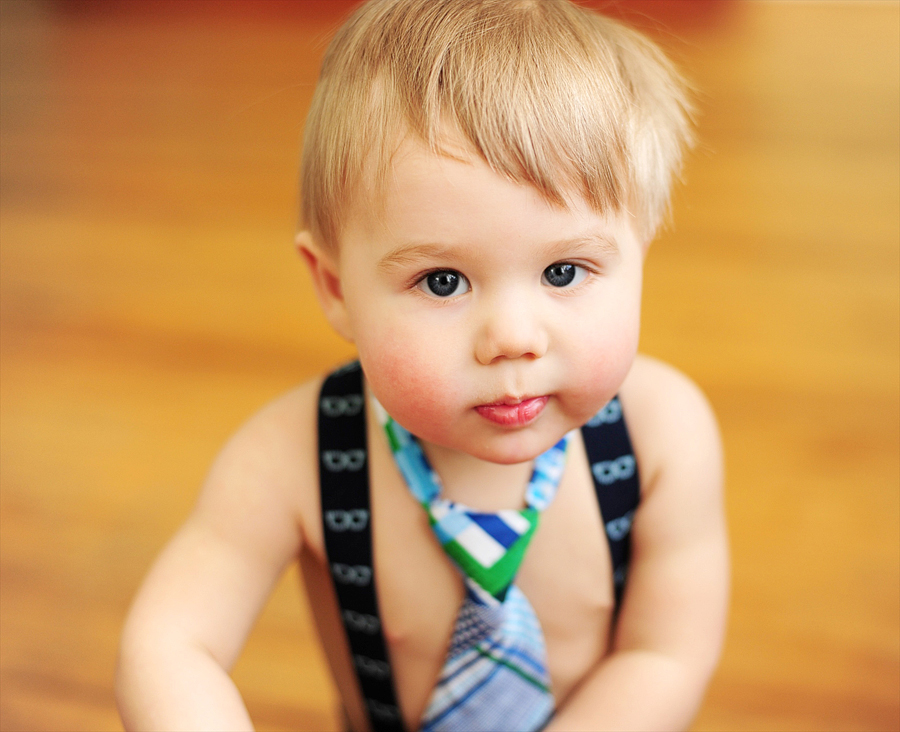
(508,413)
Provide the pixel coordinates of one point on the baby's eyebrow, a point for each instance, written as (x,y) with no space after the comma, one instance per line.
(408,253)
(588,244)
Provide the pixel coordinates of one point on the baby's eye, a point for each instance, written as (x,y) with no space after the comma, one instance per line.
(444,283)
(563,274)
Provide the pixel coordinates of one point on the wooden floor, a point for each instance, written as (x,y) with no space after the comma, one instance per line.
(151,301)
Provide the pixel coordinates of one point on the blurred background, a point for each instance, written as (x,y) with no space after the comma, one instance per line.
(151,301)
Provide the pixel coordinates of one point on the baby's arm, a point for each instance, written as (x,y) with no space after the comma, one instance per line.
(198,603)
(671,628)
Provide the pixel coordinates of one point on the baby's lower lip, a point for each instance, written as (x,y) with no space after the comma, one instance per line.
(513,415)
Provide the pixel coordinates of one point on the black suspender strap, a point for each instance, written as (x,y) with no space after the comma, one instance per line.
(616,482)
(344,489)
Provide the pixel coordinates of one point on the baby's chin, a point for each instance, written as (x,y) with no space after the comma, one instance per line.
(509,448)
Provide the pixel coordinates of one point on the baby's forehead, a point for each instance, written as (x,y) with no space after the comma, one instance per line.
(450,201)
(411,165)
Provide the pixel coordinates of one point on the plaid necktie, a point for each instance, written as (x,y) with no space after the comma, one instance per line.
(495,676)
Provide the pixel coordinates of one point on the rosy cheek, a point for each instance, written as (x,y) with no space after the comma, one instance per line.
(602,365)
(407,381)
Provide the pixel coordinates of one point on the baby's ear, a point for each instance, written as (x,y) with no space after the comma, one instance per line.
(324,270)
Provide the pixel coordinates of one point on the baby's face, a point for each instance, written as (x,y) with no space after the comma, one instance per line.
(488,320)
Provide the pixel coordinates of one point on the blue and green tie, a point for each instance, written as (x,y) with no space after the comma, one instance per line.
(495,675)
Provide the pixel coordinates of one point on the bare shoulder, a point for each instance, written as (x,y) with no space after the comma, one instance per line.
(266,472)
(672,426)
(274,439)
(677,594)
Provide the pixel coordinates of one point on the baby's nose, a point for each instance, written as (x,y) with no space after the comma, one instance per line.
(511,330)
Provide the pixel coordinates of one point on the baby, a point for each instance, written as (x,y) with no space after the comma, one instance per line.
(505,518)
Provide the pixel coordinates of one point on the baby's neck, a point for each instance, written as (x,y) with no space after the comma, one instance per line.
(478,484)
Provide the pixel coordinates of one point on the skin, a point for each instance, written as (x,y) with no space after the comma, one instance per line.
(441,366)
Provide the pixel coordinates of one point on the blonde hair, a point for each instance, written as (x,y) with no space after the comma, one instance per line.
(547,93)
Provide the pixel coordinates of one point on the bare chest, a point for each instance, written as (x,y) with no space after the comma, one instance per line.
(566,576)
